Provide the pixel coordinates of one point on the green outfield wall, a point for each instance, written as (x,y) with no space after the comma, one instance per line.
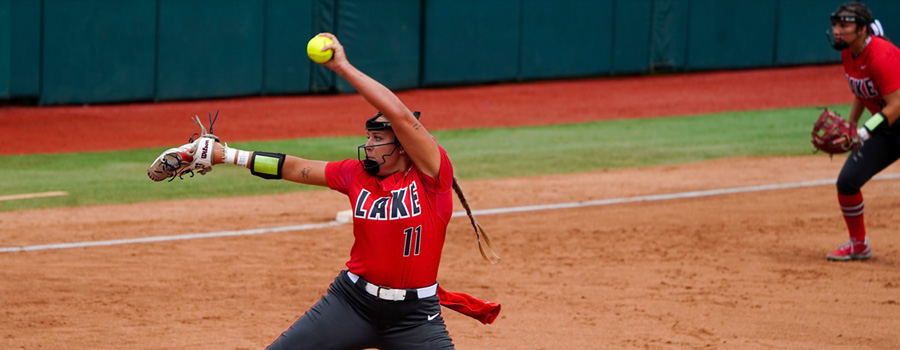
(111,51)
(5,47)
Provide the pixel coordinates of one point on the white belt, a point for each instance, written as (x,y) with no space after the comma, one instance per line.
(393,294)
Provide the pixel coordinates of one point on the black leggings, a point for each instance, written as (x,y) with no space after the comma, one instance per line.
(873,156)
(349,318)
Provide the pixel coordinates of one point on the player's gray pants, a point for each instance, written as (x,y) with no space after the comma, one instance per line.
(349,318)
(876,154)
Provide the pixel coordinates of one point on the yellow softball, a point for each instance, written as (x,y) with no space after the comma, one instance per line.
(314,49)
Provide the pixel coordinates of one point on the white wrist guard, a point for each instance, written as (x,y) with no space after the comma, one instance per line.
(203,155)
(230,154)
(863,133)
(236,157)
(243,158)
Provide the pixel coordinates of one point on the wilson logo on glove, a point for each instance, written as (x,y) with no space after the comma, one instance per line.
(205,150)
(175,162)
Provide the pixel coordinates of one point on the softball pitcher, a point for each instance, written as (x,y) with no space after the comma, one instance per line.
(872,67)
(399,190)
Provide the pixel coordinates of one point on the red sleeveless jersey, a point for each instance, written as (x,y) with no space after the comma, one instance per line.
(874,73)
(399,222)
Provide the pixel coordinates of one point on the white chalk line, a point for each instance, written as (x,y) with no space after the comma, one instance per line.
(32,195)
(167,238)
(527,208)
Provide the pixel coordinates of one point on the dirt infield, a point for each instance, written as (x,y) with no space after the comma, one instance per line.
(740,269)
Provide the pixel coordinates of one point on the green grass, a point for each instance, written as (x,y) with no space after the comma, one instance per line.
(96,178)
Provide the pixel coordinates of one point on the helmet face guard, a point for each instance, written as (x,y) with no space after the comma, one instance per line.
(372,166)
(369,165)
(851,12)
(837,44)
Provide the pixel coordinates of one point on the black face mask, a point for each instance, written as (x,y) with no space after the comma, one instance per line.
(372,167)
(369,165)
(839,45)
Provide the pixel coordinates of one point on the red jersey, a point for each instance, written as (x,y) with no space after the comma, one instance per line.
(399,222)
(874,73)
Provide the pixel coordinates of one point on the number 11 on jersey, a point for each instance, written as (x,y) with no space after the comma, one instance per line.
(409,236)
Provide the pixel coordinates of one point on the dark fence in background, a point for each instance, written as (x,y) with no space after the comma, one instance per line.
(107,51)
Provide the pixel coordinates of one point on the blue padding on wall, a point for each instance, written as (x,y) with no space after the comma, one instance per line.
(470,41)
(321,79)
(103,51)
(565,38)
(382,38)
(25,44)
(668,35)
(731,34)
(209,48)
(631,36)
(5,52)
(97,51)
(801,37)
(287,29)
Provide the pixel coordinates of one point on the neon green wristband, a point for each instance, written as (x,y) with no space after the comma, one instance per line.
(267,165)
(876,123)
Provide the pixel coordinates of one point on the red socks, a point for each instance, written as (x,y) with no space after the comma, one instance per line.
(853,207)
